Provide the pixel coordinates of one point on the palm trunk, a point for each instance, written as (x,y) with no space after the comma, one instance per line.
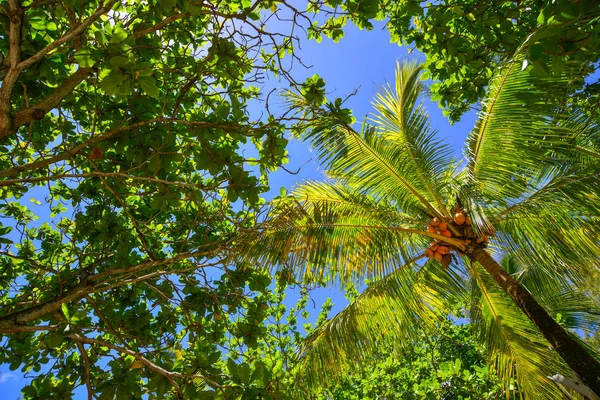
(574,354)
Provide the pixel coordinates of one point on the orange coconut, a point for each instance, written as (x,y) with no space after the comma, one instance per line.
(482,239)
(446,233)
(459,218)
(443,250)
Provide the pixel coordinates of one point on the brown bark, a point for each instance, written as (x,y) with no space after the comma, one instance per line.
(573,353)
(17,321)
(14,57)
(39,110)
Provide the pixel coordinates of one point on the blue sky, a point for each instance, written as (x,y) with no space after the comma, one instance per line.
(361,60)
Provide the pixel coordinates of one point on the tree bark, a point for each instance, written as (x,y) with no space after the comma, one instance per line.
(572,352)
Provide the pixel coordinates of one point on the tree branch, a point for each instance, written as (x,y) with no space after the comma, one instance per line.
(14,57)
(37,111)
(69,36)
(149,364)
(40,163)
(86,364)
(144,360)
(16,321)
(160,25)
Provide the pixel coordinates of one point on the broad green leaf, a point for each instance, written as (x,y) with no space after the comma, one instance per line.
(112,82)
(86,57)
(148,85)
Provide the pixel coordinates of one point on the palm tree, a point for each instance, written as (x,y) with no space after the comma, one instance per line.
(529,181)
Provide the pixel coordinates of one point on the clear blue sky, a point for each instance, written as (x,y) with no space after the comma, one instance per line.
(363,60)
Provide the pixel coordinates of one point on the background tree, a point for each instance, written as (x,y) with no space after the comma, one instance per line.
(449,364)
(530,171)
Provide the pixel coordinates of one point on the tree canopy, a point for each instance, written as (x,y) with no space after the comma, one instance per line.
(132,172)
(466,41)
(129,161)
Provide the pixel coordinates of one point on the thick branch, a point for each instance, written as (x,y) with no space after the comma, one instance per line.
(14,57)
(40,163)
(16,322)
(40,109)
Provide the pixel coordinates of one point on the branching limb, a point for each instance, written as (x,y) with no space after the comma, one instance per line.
(37,111)
(69,36)
(14,57)
(86,365)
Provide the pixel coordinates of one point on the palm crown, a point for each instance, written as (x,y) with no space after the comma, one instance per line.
(530,176)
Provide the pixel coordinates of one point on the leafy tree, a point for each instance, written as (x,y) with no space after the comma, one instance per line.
(527,185)
(447,365)
(122,125)
(466,40)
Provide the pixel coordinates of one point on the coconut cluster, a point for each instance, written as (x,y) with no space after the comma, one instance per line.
(461,225)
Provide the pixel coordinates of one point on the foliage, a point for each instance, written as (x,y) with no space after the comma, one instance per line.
(449,364)
(531,169)
(129,163)
(465,41)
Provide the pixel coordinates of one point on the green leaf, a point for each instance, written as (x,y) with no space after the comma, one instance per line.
(118,34)
(167,4)
(120,62)
(86,57)
(313,90)
(65,310)
(112,82)
(148,85)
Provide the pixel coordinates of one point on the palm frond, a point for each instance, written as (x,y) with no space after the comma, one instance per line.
(328,229)
(371,158)
(396,308)
(513,343)
(556,293)
(555,227)
(523,124)
(402,119)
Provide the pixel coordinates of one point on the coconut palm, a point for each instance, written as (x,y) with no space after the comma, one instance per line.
(529,188)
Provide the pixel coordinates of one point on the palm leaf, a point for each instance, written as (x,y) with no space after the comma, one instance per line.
(513,344)
(522,123)
(381,161)
(396,308)
(326,228)
(568,229)
(401,117)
